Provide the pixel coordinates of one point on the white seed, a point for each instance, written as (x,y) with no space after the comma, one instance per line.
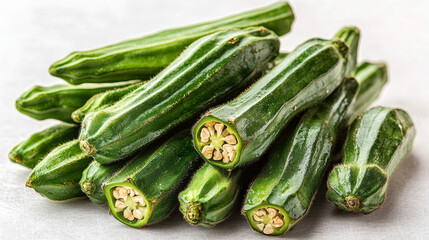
(231,155)
(207,151)
(128,214)
(268,229)
(261,212)
(120,204)
(228,148)
(131,192)
(137,214)
(277,222)
(211,130)
(272,212)
(225,157)
(116,194)
(205,135)
(257,218)
(123,192)
(260,226)
(140,200)
(217,155)
(219,128)
(230,139)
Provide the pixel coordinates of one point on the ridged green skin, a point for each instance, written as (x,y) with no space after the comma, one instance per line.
(210,71)
(30,152)
(159,174)
(297,161)
(210,196)
(305,77)
(103,100)
(57,176)
(351,36)
(376,143)
(95,176)
(372,77)
(59,101)
(144,57)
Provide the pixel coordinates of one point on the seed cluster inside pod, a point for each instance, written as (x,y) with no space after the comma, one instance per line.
(268,219)
(130,202)
(217,142)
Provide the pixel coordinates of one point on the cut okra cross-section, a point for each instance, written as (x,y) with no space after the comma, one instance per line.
(240,131)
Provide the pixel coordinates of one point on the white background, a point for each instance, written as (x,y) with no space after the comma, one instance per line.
(36,33)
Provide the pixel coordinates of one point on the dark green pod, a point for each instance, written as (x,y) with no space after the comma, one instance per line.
(372,77)
(209,71)
(95,176)
(57,176)
(376,143)
(144,57)
(148,185)
(59,101)
(351,36)
(210,196)
(30,152)
(103,100)
(282,194)
(254,119)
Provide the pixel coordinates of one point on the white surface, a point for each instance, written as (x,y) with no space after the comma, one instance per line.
(36,33)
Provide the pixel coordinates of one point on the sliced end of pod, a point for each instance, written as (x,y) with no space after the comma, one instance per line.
(357,188)
(218,142)
(194,213)
(128,204)
(268,219)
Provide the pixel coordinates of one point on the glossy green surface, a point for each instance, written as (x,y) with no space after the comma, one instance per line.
(159,174)
(102,100)
(210,196)
(376,143)
(144,57)
(372,77)
(299,157)
(351,36)
(59,101)
(31,151)
(94,178)
(211,70)
(57,176)
(305,77)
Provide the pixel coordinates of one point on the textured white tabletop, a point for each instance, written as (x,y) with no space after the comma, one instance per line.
(36,33)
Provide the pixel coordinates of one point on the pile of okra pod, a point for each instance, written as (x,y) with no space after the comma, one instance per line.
(212,115)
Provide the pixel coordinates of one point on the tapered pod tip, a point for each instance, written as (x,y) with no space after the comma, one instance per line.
(88,148)
(87,187)
(195,213)
(352,202)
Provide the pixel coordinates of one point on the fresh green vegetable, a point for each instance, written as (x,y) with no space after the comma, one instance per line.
(371,78)
(145,190)
(376,143)
(144,57)
(283,193)
(210,196)
(351,36)
(94,178)
(103,100)
(240,131)
(30,152)
(57,176)
(59,101)
(210,71)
